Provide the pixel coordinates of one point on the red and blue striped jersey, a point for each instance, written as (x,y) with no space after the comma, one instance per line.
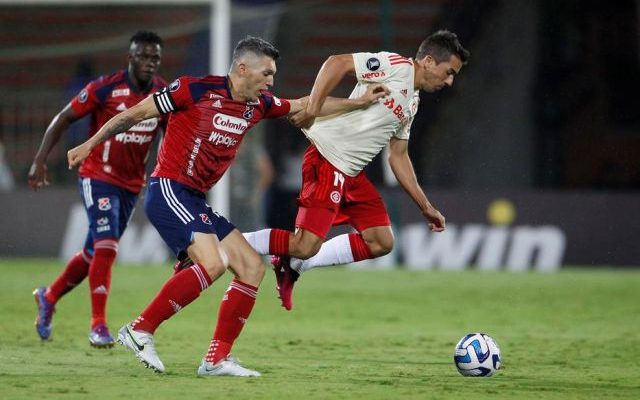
(205,128)
(120,160)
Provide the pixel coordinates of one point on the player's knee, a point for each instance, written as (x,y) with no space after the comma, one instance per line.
(215,265)
(307,250)
(382,246)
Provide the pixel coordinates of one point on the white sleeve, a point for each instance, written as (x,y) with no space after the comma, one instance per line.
(372,67)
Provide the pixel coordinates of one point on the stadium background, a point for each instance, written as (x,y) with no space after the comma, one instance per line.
(533,156)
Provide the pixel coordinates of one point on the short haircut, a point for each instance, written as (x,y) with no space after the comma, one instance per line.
(441,45)
(146,37)
(257,46)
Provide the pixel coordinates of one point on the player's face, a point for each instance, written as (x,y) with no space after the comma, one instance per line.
(258,76)
(144,60)
(435,75)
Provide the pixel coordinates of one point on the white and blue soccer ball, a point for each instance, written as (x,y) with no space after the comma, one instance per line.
(477,354)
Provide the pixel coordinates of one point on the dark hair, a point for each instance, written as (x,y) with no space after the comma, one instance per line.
(146,37)
(441,45)
(255,45)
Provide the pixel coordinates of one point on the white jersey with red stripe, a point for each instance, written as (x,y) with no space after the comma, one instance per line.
(351,140)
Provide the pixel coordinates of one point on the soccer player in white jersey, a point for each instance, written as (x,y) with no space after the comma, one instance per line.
(335,189)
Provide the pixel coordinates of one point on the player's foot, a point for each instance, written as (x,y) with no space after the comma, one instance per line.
(182,264)
(230,366)
(45,313)
(286,277)
(142,345)
(100,337)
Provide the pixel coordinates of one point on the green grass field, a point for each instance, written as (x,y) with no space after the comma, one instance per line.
(351,335)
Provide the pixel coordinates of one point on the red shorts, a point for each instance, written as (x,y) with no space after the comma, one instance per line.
(329,197)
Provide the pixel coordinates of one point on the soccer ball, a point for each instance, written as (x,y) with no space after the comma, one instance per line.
(477,354)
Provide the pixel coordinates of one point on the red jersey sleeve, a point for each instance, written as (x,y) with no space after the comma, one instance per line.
(275,107)
(175,96)
(86,101)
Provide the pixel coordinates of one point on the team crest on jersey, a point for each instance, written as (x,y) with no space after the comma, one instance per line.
(175,85)
(373,64)
(102,221)
(83,96)
(104,204)
(335,196)
(248,112)
(205,219)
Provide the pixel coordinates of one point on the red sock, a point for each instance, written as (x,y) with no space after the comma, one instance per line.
(279,242)
(100,278)
(359,247)
(180,290)
(76,270)
(234,311)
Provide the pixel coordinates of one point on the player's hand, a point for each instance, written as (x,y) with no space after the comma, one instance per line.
(38,176)
(76,155)
(374,92)
(435,218)
(302,119)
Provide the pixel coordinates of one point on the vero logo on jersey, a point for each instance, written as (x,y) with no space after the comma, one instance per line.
(230,124)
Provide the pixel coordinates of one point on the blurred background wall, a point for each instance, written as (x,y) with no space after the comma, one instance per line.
(546,106)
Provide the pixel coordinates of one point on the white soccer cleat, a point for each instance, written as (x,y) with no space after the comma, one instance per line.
(142,345)
(228,367)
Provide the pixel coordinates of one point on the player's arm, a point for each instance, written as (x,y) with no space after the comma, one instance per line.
(331,73)
(119,123)
(405,174)
(59,124)
(337,105)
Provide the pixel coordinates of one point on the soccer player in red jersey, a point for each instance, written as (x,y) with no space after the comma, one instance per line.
(208,119)
(335,189)
(110,179)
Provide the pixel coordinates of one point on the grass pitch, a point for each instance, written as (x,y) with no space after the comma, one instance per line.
(351,335)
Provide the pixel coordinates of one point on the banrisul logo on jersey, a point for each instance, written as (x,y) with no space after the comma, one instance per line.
(230,124)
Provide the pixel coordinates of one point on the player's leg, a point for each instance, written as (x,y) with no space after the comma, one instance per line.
(365,211)
(75,271)
(108,216)
(183,221)
(235,308)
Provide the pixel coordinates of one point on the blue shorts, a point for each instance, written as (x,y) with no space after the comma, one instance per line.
(109,209)
(178,211)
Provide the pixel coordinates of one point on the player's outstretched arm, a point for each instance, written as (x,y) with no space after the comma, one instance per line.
(330,74)
(405,174)
(336,105)
(119,123)
(38,172)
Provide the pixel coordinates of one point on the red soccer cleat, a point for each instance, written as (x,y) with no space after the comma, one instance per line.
(286,277)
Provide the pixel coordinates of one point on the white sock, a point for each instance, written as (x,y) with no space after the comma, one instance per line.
(333,252)
(259,240)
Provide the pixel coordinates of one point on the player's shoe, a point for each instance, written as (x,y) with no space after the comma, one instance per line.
(100,337)
(230,366)
(45,313)
(142,345)
(286,277)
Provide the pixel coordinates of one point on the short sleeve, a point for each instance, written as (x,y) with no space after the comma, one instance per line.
(372,67)
(86,101)
(275,107)
(174,97)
